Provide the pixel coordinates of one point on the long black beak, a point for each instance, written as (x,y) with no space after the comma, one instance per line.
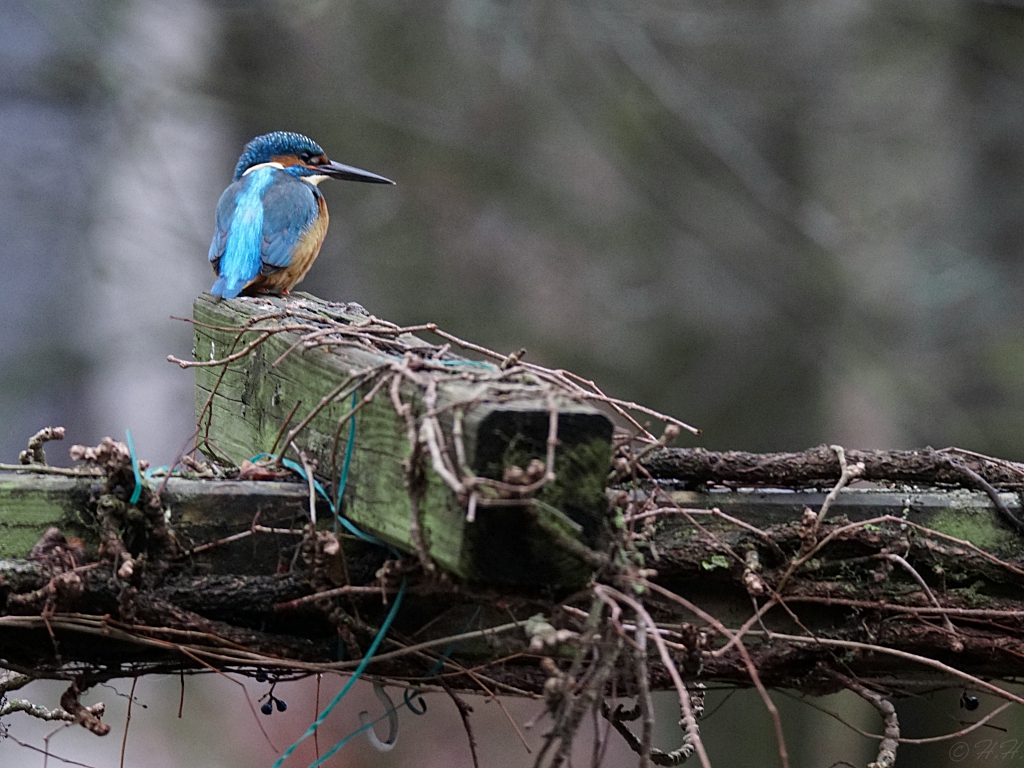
(348,173)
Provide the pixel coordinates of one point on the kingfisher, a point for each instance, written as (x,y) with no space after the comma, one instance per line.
(272,219)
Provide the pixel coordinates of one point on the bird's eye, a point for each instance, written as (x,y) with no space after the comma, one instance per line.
(306,157)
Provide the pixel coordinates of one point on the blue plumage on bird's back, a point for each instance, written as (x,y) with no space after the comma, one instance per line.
(242,257)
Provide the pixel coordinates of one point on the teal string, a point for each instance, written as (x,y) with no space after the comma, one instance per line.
(330,752)
(414,693)
(351,681)
(301,472)
(297,468)
(346,465)
(335,504)
(408,699)
(148,474)
(379,637)
(135,468)
(477,363)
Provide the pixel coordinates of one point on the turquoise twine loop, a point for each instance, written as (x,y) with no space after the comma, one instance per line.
(349,526)
(298,469)
(412,698)
(343,742)
(346,465)
(345,689)
(335,505)
(411,695)
(135,468)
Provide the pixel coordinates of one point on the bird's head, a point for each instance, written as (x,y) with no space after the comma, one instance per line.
(300,156)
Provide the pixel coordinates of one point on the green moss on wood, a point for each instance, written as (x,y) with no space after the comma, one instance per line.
(981,527)
(29,504)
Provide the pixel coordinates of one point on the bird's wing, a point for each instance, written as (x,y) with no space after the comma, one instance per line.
(290,206)
(225,210)
(260,218)
(240,225)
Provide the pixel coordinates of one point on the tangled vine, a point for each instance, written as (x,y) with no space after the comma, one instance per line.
(829,596)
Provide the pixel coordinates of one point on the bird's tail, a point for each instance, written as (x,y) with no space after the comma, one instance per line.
(228,287)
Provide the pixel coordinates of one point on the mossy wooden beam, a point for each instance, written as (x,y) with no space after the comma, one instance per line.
(963,514)
(844,586)
(204,510)
(504,420)
(30,503)
(821,467)
(201,511)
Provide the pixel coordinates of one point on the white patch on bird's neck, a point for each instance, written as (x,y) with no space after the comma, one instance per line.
(263,165)
(314,180)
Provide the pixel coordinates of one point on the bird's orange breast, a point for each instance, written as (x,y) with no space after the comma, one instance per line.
(306,250)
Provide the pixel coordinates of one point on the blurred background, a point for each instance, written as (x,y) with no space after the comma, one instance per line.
(788,223)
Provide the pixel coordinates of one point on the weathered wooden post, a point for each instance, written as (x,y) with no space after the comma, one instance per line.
(308,363)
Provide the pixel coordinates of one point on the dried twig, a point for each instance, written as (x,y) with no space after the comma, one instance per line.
(128,720)
(413,476)
(644,685)
(923,660)
(980,482)
(689,720)
(902,740)
(464,712)
(955,643)
(847,474)
(327,594)
(887,748)
(87,717)
(38,711)
(34,454)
